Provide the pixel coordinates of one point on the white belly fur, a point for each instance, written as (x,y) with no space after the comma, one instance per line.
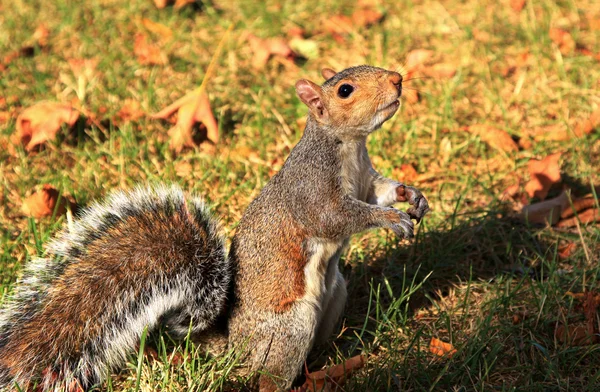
(319,275)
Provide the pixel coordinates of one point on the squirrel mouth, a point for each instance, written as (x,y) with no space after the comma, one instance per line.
(392,106)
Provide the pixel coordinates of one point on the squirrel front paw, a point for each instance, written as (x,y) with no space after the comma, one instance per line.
(400,222)
(414,197)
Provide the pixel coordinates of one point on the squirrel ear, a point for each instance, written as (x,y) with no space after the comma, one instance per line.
(328,73)
(312,96)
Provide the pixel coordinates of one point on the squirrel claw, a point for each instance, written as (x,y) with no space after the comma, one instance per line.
(414,197)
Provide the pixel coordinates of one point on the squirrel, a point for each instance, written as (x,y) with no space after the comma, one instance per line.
(154,256)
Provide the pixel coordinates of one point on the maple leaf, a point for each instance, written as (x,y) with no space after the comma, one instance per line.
(263,49)
(544,174)
(495,137)
(148,53)
(44,202)
(41,122)
(191,108)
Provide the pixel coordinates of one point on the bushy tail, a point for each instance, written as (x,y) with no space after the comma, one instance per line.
(130,262)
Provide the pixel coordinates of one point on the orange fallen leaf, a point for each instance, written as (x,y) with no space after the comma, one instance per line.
(263,49)
(41,122)
(405,173)
(415,59)
(588,125)
(130,111)
(160,4)
(510,192)
(565,251)
(495,137)
(157,28)
(334,376)
(41,34)
(44,202)
(575,335)
(544,174)
(585,217)
(191,109)
(562,39)
(441,348)
(441,70)
(366,16)
(147,53)
(517,5)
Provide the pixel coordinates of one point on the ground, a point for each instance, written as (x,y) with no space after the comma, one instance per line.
(496,288)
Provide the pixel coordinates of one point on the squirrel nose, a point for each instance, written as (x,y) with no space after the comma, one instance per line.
(396,80)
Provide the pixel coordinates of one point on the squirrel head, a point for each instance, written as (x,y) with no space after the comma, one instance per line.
(354,102)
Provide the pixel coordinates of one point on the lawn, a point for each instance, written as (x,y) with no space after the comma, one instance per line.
(492,88)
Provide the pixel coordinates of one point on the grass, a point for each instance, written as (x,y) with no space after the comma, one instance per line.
(493,287)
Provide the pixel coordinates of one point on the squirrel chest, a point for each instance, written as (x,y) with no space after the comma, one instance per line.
(322,267)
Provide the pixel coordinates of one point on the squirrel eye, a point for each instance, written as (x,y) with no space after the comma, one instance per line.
(345,90)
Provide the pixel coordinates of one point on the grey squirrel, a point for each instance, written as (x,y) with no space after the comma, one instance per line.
(154,256)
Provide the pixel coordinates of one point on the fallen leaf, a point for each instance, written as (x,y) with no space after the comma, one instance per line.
(575,335)
(263,49)
(441,70)
(336,375)
(157,28)
(148,53)
(130,111)
(517,5)
(183,169)
(588,125)
(585,217)
(182,3)
(406,173)
(366,16)
(565,251)
(415,59)
(548,211)
(191,109)
(495,137)
(44,202)
(510,192)
(41,34)
(441,348)
(41,122)
(160,4)
(562,39)
(544,174)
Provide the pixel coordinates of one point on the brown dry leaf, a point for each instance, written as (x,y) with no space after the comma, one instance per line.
(563,39)
(406,173)
(559,132)
(191,109)
(334,376)
(588,216)
(44,202)
(147,53)
(517,5)
(495,137)
(157,28)
(160,4)
(366,16)
(441,348)
(588,125)
(544,174)
(130,111)
(41,122)
(510,192)
(41,34)
(441,70)
(565,251)
(548,211)
(183,169)
(575,335)
(263,49)
(415,59)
